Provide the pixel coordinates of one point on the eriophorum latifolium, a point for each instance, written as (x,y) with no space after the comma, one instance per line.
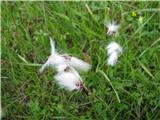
(65,66)
(113,51)
(112,28)
(127,90)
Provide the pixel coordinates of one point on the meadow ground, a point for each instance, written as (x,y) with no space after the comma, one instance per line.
(129,90)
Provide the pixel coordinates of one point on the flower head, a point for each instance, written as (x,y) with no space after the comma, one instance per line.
(56,59)
(66,66)
(113,46)
(112,28)
(69,78)
(113,51)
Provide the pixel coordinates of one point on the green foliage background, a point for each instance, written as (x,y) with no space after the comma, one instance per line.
(78,29)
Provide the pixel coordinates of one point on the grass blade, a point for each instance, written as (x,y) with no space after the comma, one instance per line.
(145,69)
(107,78)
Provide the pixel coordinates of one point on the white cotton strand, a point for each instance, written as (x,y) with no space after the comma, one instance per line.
(52,43)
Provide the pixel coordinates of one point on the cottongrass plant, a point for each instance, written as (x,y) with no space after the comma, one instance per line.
(112,28)
(56,59)
(113,51)
(68,78)
(66,67)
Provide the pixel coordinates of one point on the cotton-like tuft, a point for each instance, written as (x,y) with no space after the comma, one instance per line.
(65,65)
(113,51)
(112,28)
(56,59)
(68,80)
(113,46)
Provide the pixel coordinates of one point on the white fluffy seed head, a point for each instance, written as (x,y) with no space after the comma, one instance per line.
(56,59)
(112,28)
(113,46)
(68,80)
(113,51)
(65,66)
(74,62)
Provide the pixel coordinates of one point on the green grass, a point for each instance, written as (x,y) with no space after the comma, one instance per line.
(129,90)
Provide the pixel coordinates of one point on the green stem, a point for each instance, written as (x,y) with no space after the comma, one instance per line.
(100,71)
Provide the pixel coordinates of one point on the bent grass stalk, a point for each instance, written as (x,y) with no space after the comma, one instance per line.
(107,78)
